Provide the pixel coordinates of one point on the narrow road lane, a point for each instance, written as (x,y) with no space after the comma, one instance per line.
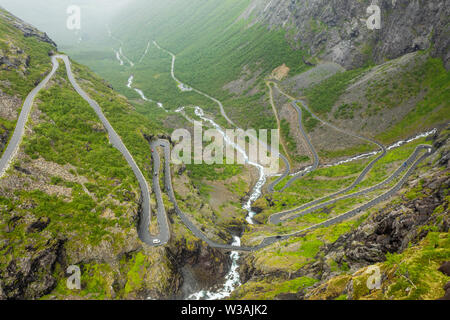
(273,239)
(17,136)
(115,140)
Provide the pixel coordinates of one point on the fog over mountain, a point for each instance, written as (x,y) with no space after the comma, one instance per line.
(51,17)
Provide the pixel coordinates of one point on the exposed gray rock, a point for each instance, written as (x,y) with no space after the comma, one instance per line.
(31,276)
(390,230)
(27,29)
(336,30)
(445,268)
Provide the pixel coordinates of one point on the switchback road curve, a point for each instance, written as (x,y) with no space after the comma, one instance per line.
(145,210)
(115,140)
(278,216)
(19,130)
(311,207)
(273,239)
(316,160)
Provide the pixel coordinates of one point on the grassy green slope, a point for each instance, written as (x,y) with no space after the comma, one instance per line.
(212,47)
(29,64)
(69,194)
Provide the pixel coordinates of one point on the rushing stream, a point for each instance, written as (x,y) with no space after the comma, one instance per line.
(393,146)
(257,190)
(232,280)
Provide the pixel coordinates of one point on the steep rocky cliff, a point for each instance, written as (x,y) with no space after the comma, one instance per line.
(336,30)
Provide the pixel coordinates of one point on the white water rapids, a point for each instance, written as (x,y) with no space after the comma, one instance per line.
(232,279)
(257,190)
(118,57)
(130,85)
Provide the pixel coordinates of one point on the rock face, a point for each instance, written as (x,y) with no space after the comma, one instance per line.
(336,30)
(445,268)
(390,230)
(30,276)
(208,265)
(403,223)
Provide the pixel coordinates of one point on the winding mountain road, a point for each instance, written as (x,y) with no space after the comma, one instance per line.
(115,140)
(278,217)
(273,239)
(316,160)
(314,153)
(311,207)
(162,219)
(172,72)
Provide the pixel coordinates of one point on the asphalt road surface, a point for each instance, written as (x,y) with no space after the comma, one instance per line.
(115,140)
(277,217)
(17,136)
(314,166)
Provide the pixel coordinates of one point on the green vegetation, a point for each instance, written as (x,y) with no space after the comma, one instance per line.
(68,135)
(433,80)
(290,142)
(389,163)
(28,68)
(325,181)
(288,256)
(413,274)
(309,122)
(348,152)
(214,172)
(347,111)
(136,273)
(91,200)
(96,283)
(212,46)
(270,289)
(323,96)
(29,63)
(130,125)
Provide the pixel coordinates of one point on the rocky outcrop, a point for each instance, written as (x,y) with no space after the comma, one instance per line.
(336,30)
(447,292)
(400,225)
(391,230)
(27,29)
(445,268)
(208,266)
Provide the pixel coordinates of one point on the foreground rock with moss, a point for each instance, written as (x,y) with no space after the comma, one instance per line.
(406,238)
